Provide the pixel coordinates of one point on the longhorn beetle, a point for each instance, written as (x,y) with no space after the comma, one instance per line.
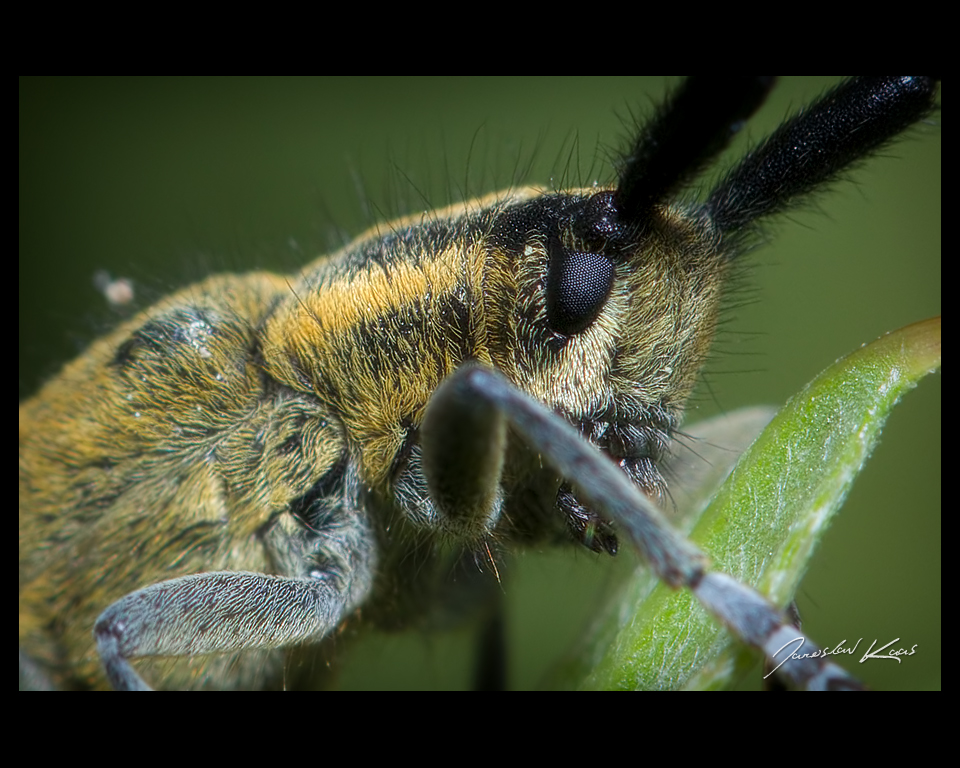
(900,149)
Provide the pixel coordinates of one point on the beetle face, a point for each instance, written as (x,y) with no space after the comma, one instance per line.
(120,175)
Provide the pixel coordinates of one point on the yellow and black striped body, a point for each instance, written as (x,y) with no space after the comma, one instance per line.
(192,437)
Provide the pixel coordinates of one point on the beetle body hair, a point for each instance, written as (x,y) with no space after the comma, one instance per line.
(247,403)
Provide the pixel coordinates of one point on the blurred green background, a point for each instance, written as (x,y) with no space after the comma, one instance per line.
(164,181)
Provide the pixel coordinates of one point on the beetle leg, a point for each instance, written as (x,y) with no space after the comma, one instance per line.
(225,611)
(604,487)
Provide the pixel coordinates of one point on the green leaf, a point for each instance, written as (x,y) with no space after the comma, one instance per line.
(762,526)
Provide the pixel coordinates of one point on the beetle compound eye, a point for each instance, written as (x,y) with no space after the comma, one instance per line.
(578,284)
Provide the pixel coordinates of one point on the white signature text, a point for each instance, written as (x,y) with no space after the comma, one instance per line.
(840,648)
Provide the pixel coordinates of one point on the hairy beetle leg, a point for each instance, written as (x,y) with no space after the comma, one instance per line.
(601,484)
(223,611)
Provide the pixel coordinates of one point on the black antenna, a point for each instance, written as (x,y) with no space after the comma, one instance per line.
(846,125)
(690,129)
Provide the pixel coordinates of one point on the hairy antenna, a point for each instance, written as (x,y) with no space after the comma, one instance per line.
(844,126)
(696,124)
